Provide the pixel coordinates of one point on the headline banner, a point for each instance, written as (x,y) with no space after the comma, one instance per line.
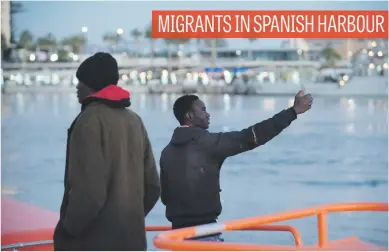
(269,24)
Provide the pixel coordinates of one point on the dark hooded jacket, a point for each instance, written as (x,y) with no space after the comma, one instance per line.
(190,167)
(111,181)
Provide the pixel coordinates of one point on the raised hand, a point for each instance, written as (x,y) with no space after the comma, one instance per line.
(302,102)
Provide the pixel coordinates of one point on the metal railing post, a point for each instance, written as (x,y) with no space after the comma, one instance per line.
(322,229)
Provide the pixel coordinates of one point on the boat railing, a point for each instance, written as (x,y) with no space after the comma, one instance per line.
(18,245)
(177,239)
(40,239)
(48,244)
(168,239)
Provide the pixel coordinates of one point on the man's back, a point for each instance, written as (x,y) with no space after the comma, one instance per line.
(107,211)
(190,178)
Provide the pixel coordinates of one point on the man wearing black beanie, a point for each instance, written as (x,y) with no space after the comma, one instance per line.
(111,180)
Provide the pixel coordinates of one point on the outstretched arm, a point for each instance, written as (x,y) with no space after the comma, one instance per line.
(228,144)
(88,173)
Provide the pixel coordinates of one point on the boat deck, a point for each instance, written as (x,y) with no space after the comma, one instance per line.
(29,228)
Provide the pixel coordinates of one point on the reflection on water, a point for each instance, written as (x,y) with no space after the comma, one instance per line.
(164,102)
(268,104)
(335,152)
(8,191)
(227,103)
(350,128)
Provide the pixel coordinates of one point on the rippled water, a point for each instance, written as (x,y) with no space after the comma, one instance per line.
(336,152)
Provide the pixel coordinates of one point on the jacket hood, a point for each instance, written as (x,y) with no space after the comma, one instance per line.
(111,95)
(183,135)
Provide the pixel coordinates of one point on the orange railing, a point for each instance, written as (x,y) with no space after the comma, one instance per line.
(33,240)
(41,240)
(175,239)
(296,235)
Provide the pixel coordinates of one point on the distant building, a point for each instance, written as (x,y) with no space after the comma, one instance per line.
(266,49)
(346,47)
(6,20)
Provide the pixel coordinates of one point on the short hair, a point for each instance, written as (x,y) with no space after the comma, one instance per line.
(182,106)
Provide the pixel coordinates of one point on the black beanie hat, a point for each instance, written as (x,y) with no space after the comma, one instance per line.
(98,71)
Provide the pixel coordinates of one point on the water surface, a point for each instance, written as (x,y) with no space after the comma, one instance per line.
(336,152)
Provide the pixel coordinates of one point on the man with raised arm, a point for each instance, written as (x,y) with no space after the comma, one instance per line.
(190,164)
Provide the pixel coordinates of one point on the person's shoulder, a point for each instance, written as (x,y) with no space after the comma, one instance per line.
(89,115)
(204,135)
(95,112)
(166,151)
(108,113)
(196,131)
(133,116)
(209,139)
(87,121)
